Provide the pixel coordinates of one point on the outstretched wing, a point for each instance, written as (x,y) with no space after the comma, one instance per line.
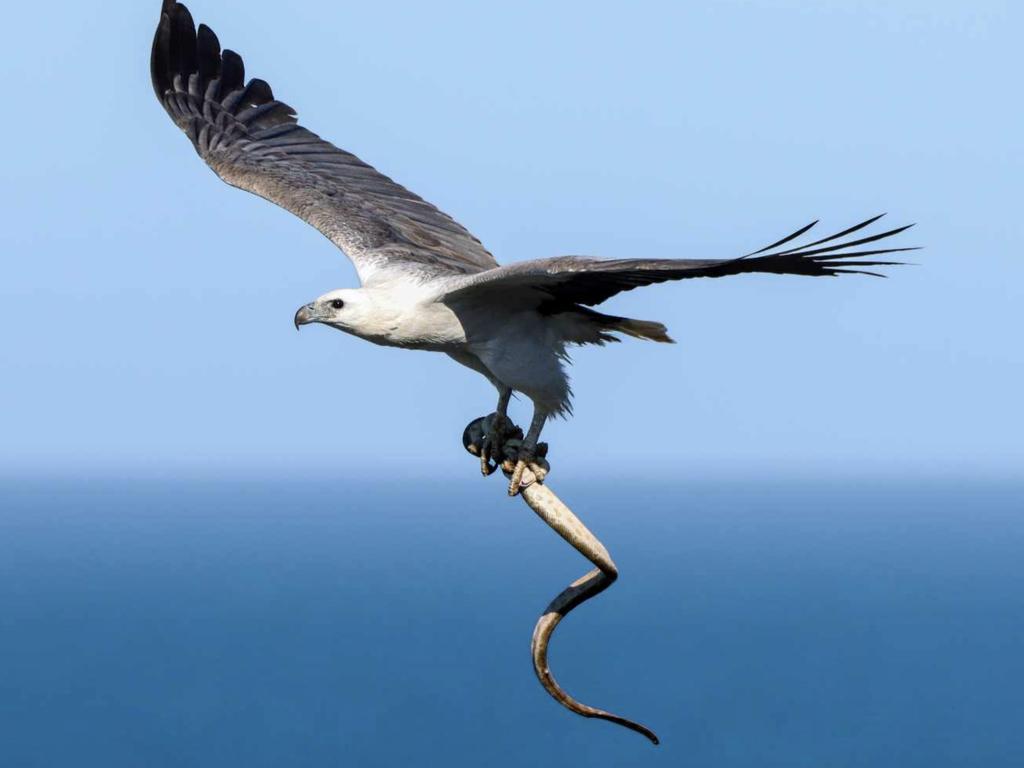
(252,141)
(581,280)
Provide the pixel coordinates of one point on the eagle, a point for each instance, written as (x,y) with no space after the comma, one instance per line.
(426,282)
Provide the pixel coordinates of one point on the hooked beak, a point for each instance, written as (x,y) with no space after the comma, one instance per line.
(304,316)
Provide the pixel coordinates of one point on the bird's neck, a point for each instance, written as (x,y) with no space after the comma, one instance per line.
(403,318)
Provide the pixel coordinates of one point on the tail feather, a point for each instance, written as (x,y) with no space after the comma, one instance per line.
(641,329)
(582,325)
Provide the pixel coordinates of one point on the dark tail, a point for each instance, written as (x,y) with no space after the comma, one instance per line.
(600,327)
(639,329)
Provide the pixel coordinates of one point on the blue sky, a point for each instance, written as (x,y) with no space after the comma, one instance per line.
(146,307)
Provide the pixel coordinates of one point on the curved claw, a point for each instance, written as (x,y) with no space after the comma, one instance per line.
(487,466)
(526,471)
(473,436)
(515,483)
(491,437)
(497,430)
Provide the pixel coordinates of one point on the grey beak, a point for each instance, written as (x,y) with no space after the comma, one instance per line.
(304,316)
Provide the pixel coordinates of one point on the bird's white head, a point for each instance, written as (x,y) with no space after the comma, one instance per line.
(384,316)
(347,309)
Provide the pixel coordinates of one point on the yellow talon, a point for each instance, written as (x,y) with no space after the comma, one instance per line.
(516,483)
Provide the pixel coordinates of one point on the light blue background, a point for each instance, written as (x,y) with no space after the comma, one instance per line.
(145,308)
(223,543)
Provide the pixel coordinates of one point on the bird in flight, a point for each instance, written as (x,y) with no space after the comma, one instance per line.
(426,282)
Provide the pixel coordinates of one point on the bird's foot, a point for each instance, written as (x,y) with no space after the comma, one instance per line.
(499,443)
(487,437)
(528,467)
(498,429)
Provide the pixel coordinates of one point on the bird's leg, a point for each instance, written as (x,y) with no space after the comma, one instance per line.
(498,431)
(528,454)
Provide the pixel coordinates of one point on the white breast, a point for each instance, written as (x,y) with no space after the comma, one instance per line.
(408,318)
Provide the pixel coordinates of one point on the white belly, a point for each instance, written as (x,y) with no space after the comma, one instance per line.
(524,353)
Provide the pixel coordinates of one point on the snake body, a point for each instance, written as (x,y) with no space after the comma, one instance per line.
(553,511)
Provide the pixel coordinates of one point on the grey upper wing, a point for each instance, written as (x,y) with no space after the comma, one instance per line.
(254,142)
(582,280)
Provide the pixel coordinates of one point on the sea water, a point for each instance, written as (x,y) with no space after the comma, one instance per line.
(253,622)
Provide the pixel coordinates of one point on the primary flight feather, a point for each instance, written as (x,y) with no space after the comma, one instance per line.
(427,282)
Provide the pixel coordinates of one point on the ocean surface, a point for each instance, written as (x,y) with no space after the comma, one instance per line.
(387,623)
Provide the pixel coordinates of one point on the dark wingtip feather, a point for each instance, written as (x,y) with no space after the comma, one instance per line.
(854,254)
(208,47)
(184,58)
(232,74)
(160,60)
(837,235)
(786,239)
(832,258)
(835,272)
(180,50)
(837,247)
(257,93)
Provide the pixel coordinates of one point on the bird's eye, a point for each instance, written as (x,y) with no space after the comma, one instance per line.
(337,304)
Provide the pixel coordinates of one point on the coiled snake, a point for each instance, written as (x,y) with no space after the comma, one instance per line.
(555,513)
